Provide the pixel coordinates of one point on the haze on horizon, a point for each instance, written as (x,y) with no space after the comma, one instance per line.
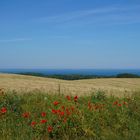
(70,34)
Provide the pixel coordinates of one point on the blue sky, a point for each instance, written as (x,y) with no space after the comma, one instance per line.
(70,34)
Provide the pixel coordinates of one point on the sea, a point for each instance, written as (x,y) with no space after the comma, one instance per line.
(101,72)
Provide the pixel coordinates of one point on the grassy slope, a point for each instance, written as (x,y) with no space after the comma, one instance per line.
(111,85)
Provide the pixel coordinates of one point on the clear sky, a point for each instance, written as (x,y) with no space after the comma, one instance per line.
(70,34)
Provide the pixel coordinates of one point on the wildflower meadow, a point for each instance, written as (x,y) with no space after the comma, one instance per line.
(40,116)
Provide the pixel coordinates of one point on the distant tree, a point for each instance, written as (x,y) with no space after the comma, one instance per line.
(127,75)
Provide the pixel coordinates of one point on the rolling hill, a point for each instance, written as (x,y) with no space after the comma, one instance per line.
(112,86)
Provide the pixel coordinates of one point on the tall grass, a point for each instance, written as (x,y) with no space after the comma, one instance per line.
(39,116)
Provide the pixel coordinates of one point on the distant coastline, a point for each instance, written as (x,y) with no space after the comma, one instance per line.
(101,72)
(75,74)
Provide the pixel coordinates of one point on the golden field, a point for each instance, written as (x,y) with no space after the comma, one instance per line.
(113,86)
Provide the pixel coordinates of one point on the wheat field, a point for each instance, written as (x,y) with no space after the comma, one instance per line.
(113,86)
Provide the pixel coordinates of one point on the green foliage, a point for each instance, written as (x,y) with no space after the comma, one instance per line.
(127,75)
(79,76)
(98,96)
(94,117)
(66,76)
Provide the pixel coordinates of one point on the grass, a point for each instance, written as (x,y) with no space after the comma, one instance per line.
(39,116)
(114,86)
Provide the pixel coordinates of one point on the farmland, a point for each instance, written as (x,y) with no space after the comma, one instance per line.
(114,86)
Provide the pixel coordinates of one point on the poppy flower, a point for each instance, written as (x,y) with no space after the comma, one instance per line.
(125,103)
(68,112)
(56,103)
(58,111)
(67,109)
(3,110)
(115,103)
(54,111)
(65,120)
(62,113)
(26,115)
(33,124)
(43,121)
(63,107)
(43,114)
(72,108)
(50,129)
(68,97)
(75,98)
(119,105)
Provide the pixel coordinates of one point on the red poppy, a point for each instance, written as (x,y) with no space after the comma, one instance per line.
(3,110)
(62,113)
(58,111)
(115,103)
(119,105)
(33,124)
(43,114)
(68,112)
(54,111)
(68,97)
(26,115)
(50,129)
(43,121)
(75,98)
(65,120)
(125,103)
(63,107)
(67,109)
(56,103)
(72,108)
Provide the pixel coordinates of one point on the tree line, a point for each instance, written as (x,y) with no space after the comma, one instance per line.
(80,76)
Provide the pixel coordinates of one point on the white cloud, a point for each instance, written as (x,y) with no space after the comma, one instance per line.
(121,12)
